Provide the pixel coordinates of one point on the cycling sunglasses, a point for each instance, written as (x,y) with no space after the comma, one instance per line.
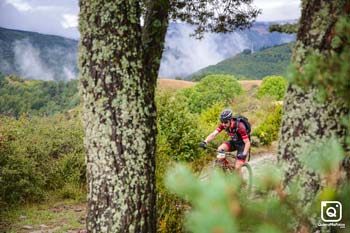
(225,122)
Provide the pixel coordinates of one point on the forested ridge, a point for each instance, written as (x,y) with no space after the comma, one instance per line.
(34,55)
(252,65)
(36,97)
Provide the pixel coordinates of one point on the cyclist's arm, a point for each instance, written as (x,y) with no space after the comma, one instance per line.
(243,132)
(246,146)
(211,136)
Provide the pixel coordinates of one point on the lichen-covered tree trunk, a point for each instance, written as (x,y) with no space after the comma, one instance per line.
(305,119)
(119,115)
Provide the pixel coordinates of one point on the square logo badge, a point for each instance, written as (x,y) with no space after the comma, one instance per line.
(331,211)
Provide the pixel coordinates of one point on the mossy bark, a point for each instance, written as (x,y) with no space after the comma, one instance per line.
(118,76)
(305,119)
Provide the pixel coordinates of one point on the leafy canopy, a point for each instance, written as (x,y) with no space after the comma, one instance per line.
(214,15)
(274,86)
(210,90)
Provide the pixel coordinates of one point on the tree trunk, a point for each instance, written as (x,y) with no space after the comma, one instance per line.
(305,119)
(119,116)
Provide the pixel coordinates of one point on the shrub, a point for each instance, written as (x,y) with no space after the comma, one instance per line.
(220,204)
(274,86)
(39,155)
(210,90)
(209,121)
(177,129)
(268,130)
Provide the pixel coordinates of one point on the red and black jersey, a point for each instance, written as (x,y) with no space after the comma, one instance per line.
(231,131)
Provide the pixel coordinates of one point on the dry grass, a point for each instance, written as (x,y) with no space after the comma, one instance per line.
(249,84)
(175,85)
(172,84)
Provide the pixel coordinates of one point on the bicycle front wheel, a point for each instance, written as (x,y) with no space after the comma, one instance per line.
(247,174)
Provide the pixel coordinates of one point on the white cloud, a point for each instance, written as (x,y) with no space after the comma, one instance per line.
(28,60)
(69,73)
(185,54)
(20,5)
(69,21)
(273,10)
(24,6)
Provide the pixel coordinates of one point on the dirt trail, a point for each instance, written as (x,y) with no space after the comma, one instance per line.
(265,158)
(255,162)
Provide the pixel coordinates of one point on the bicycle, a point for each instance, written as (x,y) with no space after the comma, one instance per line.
(227,166)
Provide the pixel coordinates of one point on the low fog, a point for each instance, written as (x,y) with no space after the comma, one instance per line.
(56,59)
(184,55)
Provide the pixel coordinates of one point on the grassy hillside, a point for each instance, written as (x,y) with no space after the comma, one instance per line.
(246,65)
(164,84)
(172,84)
(44,98)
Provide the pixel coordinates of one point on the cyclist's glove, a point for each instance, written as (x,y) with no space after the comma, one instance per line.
(241,156)
(203,145)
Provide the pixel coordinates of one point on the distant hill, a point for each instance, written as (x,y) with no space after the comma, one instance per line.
(46,57)
(37,56)
(36,97)
(247,65)
(184,55)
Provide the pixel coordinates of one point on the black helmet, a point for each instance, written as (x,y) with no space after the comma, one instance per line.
(226,115)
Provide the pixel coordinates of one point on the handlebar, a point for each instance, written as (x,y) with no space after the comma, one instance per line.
(229,153)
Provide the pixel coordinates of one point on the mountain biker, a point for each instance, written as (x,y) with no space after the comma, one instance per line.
(239,138)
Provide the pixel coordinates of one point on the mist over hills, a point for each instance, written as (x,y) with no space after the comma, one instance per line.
(37,56)
(46,57)
(246,65)
(184,55)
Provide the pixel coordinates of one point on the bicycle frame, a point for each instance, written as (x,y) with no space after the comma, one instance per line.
(229,167)
(223,162)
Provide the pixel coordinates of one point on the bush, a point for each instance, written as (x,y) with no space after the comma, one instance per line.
(39,155)
(177,129)
(210,90)
(274,86)
(268,130)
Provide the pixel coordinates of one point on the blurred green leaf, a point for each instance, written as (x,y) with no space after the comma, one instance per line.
(324,157)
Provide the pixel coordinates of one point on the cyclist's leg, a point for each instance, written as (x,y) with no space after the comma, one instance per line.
(239,162)
(232,147)
(225,147)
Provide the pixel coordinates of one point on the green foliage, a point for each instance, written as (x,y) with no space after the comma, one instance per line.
(43,98)
(328,160)
(285,28)
(268,130)
(274,86)
(178,128)
(220,204)
(39,155)
(210,90)
(169,206)
(329,71)
(268,61)
(200,14)
(210,116)
(211,208)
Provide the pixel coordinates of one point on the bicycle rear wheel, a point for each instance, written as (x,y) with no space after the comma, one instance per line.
(247,174)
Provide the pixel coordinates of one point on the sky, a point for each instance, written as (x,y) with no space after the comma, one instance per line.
(60,17)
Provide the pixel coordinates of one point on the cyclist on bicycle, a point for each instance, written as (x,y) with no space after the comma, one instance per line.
(239,138)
